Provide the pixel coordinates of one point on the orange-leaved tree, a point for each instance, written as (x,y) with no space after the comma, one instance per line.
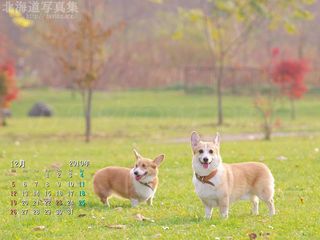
(80,50)
(8,89)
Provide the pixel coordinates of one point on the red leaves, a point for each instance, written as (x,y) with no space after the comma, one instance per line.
(289,75)
(9,90)
(8,68)
(275,52)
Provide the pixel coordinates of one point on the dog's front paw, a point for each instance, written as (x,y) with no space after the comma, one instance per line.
(208,212)
(224,215)
(134,202)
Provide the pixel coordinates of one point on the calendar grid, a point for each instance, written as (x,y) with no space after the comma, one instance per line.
(56,191)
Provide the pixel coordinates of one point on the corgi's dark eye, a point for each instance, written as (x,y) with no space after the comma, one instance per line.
(200,151)
(136,165)
(143,165)
(211,151)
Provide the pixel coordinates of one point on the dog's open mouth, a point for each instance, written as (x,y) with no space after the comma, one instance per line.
(138,177)
(205,164)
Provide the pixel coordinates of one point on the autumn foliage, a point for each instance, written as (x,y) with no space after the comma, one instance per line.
(8,88)
(289,75)
(80,49)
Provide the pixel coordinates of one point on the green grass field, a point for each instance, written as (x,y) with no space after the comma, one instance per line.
(150,122)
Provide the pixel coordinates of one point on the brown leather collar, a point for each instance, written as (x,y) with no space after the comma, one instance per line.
(205,179)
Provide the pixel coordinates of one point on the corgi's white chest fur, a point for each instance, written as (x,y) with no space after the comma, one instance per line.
(143,192)
(208,193)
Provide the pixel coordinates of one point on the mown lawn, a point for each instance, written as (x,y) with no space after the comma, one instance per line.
(149,121)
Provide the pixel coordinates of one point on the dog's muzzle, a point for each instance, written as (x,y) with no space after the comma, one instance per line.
(138,177)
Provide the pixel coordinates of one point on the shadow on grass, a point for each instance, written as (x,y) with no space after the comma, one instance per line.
(113,206)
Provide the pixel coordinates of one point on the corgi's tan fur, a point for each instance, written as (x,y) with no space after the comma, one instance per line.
(231,182)
(138,184)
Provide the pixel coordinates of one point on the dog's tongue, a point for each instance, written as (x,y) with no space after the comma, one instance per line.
(138,178)
(206,165)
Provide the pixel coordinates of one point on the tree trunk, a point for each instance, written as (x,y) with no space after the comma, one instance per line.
(268,131)
(4,122)
(88,103)
(221,57)
(219,93)
(293,109)
(301,46)
(3,118)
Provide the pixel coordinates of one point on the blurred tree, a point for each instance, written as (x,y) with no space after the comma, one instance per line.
(265,106)
(8,89)
(227,24)
(289,75)
(80,49)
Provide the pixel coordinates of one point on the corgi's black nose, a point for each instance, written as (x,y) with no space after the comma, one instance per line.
(205,159)
(135,173)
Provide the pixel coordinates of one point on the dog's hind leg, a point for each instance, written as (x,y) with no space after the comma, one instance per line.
(270,204)
(107,202)
(255,205)
(267,197)
(104,197)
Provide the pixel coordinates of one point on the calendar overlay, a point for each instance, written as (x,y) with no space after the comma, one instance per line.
(47,192)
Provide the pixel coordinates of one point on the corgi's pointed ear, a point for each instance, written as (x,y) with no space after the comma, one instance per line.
(195,139)
(158,160)
(136,154)
(216,140)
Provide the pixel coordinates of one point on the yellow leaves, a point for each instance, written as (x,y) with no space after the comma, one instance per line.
(177,35)
(22,22)
(290,27)
(18,19)
(225,5)
(215,33)
(14,13)
(308,2)
(302,14)
(157,1)
(240,15)
(195,15)
(274,23)
(193,18)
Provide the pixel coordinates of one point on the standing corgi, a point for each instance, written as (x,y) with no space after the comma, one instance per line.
(138,184)
(218,184)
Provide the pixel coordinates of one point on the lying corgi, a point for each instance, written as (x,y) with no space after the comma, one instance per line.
(138,184)
(218,184)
